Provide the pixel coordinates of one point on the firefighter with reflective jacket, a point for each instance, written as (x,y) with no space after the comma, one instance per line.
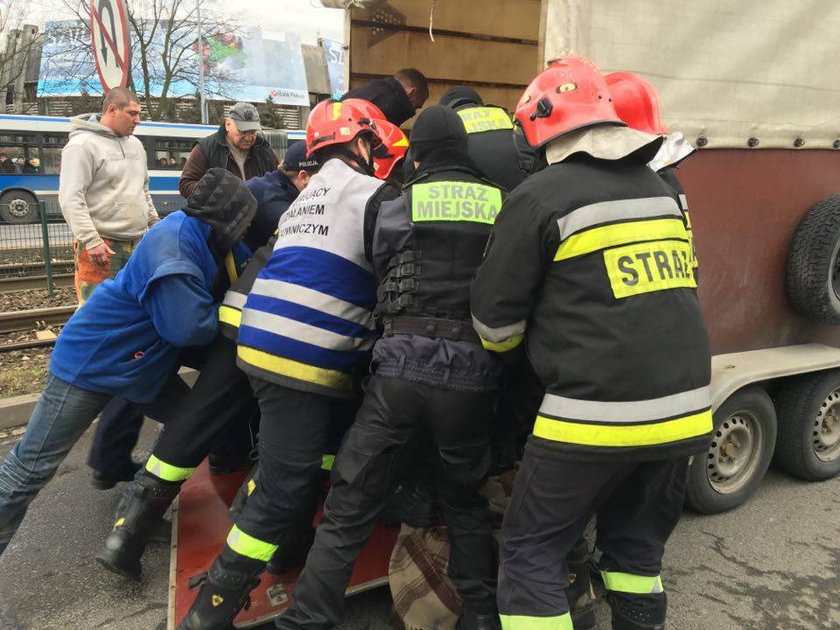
(492,141)
(589,271)
(430,374)
(306,325)
(637,104)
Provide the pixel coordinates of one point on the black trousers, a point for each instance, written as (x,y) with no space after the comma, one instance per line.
(115,438)
(296,430)
(392,413)
(215,416)
(637,506)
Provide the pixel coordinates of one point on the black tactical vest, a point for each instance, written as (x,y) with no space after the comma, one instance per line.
(426,289)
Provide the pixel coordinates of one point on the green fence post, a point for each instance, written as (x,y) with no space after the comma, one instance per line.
(45,235)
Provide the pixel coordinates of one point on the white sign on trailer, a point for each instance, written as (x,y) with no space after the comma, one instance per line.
(109,38)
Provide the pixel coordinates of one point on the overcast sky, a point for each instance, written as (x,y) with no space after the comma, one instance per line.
(306,17)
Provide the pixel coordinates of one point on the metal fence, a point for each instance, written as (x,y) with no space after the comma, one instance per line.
(35,244)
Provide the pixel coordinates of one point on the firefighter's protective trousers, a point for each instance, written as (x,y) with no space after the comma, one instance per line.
(394,411)
(637,506)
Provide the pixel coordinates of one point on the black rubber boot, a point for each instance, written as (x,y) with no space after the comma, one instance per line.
(224,592)
(136,522)
(472,620)
(637,615)
(579,593)
(292,551)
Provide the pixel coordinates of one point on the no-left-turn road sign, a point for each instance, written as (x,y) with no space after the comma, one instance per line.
(109,37)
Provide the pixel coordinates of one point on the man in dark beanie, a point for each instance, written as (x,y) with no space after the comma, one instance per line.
(430,374)
(127,338)
(492,139)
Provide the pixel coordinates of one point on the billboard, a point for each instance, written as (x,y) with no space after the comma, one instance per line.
(239,67)
(335,53)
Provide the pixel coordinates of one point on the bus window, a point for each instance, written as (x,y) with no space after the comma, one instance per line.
(51,145)
(171,153)
(18,153)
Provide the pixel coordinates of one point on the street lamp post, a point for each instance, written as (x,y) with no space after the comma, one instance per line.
(203,102)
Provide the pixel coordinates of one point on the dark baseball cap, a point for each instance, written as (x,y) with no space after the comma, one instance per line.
(245,116)
(295,159)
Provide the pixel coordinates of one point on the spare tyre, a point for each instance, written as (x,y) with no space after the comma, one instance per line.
(813,276)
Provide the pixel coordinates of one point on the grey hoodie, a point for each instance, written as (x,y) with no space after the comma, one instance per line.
(104,184)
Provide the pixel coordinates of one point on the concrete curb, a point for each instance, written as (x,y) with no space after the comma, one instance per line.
(15,411)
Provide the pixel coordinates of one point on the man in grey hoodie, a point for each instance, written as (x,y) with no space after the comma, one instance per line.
(104,196)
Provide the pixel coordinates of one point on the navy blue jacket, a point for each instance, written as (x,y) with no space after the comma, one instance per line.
(274,193)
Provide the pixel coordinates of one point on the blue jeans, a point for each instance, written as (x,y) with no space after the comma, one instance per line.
(62,415)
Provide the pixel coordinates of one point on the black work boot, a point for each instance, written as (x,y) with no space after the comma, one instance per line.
(224,592)
(641,615)
(473,620)
(292,551)
(136,522)
(579,593)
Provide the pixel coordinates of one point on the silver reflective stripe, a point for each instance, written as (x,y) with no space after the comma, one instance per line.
(683,203)
(279,325)
(626,411)
(622,209)
(498,334)
(235,299)
(313,299)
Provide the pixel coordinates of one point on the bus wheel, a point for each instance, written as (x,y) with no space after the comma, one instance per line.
(813,265)
(18,206)
(738,456)
(809,426)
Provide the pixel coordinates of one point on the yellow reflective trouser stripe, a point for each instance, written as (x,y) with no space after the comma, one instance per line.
(478,119)
(295,369)
(251,487)
(248,546)
(502,346)
(230,315)
(327,462)
(521,622)
(455,201)
(618,435)
(606,236)
(167,472)
(230,266)
(629,583)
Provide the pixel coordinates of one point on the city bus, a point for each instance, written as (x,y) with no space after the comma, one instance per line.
(30,161)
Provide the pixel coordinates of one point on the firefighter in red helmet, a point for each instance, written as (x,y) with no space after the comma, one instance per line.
(589,271)
(637,103)
(307,324)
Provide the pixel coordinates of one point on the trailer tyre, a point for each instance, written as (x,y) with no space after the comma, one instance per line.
(738,456)
(18,206)
(813,273)
(809,426)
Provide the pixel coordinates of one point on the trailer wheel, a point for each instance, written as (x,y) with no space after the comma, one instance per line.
(809,426)
(738,456)
(813,272)
(18,206)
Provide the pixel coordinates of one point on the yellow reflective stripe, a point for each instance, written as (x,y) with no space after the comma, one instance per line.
(502,346)
(248,546)
(295,369)
(479,119)
(606,236)
(327,462)
(629,583)
(521,622)
(687,219)
(230,315)
(648,267)
(252,485)
(167,472)
(632,435)
(455,201)
(230,266)
(119,522)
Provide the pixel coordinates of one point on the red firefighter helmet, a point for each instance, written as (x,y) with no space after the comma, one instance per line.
(370,110)
(393,149)
(636,102)
(334,122)
(570,94)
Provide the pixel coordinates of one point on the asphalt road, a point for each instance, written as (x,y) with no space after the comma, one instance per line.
(773,563)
